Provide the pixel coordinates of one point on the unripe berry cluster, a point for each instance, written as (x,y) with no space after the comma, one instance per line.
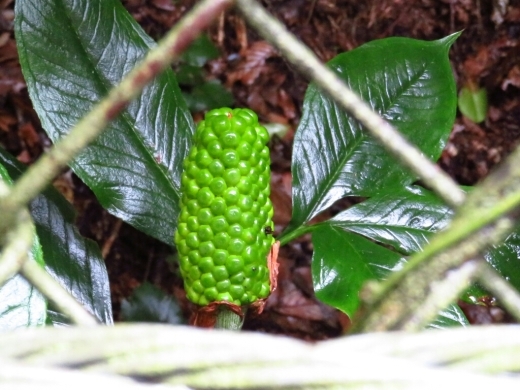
(225,210)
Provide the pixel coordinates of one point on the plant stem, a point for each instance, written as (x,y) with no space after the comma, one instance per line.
(39,175)
(305,60)
(300,231)
(228,319)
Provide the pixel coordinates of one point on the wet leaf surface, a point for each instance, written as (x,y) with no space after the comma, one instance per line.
(343,262)
(403,219)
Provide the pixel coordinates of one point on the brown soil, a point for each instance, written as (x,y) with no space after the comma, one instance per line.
(487,54)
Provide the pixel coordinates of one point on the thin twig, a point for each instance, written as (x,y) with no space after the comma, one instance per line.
(51,289)
(107,245)
(157,60)
(305,60)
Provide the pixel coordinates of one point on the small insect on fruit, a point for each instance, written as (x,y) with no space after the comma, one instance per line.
(223,235)
(268,230)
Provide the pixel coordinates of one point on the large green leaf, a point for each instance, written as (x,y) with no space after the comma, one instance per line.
(342,262)
(410,84)
(403,219)
(21,305)
(72,53)
(505,258)
(74,261)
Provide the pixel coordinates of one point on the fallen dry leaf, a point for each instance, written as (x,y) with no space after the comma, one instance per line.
(252,63)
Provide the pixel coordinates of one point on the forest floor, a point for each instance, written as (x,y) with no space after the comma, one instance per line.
(486,55)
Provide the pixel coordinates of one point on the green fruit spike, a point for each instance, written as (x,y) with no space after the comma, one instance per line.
(224,231)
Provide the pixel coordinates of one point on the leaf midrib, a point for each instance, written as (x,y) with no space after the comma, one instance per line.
(125,115)
(333,178)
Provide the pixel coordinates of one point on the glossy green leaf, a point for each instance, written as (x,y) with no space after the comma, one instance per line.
(72,53)
(410,84)
(404,219)
(21,305)
(74,261)
(342,262)
(452,316)
(505,258)
(150,304)
(473,103)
